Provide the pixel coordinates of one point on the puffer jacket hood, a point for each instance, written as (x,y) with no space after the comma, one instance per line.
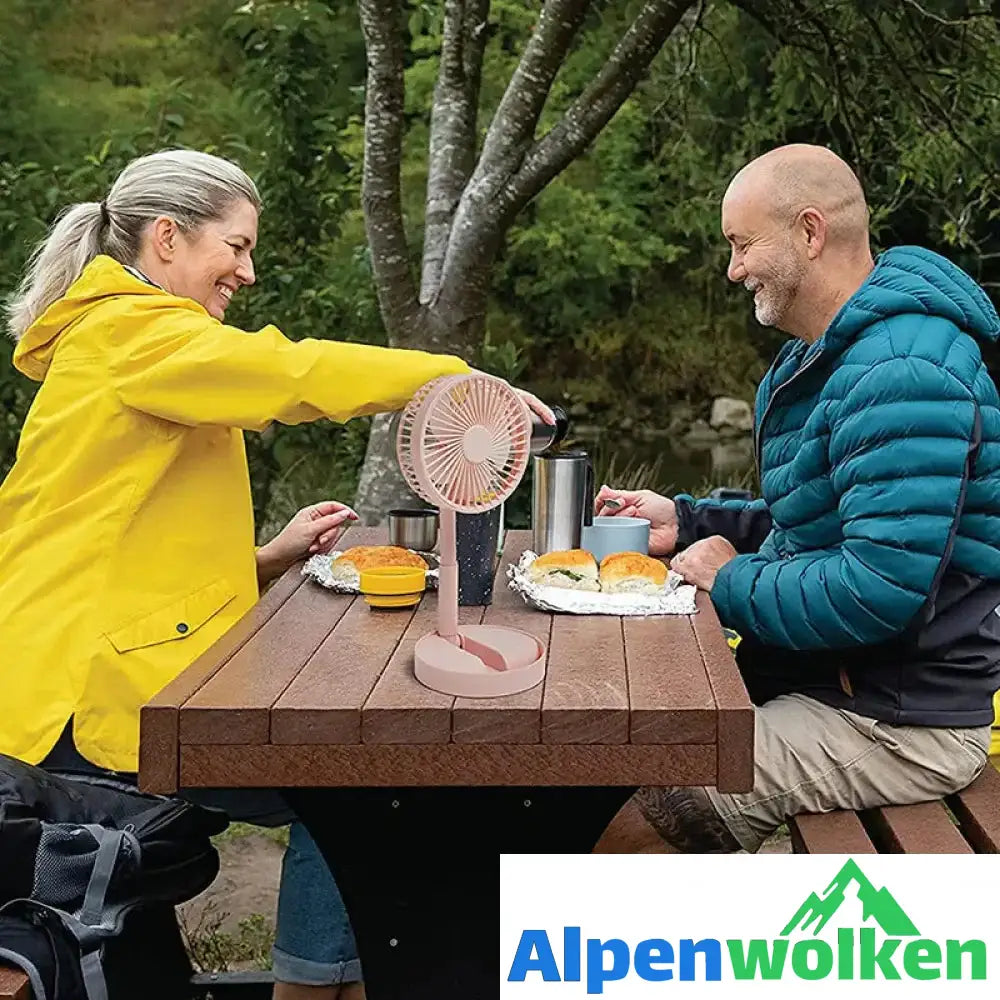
(916,282)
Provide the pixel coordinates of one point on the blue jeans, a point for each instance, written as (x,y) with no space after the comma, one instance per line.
(314,942)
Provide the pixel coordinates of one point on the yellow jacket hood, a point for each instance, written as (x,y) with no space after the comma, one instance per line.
(102,279)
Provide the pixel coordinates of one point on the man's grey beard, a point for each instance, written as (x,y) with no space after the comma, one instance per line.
(780,289)
(770,308)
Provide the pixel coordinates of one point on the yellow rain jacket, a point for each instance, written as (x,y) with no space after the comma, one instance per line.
(126,524)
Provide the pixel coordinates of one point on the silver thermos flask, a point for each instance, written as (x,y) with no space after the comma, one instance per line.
(562,498)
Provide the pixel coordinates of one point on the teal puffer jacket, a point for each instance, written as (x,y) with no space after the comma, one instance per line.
(879,454)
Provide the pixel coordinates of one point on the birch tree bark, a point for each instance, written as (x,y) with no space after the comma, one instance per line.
(473,196)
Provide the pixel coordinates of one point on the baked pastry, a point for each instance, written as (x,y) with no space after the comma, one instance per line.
(346,568)
(572,569)
(632,573)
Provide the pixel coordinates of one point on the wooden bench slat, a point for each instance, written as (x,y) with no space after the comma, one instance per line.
(977,810)
(514,718)
(14,984)
(925,828)
(830,833)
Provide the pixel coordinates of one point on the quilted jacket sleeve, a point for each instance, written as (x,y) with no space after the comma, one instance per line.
(743,523)
(181,365)
(899,449)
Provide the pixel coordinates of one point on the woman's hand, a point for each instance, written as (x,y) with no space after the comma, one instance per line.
(536,406)
(658,510)
(529,399)
(313,529)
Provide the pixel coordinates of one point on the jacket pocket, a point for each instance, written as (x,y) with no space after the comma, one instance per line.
(177,620)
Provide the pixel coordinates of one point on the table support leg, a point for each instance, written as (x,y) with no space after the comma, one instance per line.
(419,872)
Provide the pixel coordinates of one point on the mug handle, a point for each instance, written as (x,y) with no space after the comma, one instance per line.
(588,501)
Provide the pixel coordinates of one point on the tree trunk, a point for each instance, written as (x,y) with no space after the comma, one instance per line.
(382,486)
(471,202)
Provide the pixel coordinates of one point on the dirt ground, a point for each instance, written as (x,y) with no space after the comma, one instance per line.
(231,925)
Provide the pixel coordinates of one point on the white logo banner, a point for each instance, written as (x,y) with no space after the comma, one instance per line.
(649,925)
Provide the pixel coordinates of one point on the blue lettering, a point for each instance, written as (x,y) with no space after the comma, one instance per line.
(711,948)
(597,974)
(571,954)
(534,943)
(653,950)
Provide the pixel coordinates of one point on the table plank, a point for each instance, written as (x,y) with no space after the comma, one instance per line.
(400,709)
(669,691)
(515,718)
(234,706)
(451,764)
(735,718)
(159,719)
(586,688)
(323,702)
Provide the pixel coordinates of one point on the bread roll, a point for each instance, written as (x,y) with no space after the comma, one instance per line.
(347,568)
(572,569)
(632,573)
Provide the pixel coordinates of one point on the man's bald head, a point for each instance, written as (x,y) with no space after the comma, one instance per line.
(790,179)
(797,223)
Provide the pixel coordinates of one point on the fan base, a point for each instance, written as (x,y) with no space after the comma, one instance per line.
(505,661)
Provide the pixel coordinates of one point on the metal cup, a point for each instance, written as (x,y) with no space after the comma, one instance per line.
(414,528)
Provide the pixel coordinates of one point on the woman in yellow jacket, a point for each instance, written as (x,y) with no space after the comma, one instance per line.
(126,523)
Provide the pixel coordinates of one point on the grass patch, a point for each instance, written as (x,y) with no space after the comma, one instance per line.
(235,831)
(214,950)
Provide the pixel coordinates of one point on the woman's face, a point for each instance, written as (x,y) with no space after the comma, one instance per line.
(211,264)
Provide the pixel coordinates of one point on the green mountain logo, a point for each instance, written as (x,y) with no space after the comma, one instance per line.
(878,905)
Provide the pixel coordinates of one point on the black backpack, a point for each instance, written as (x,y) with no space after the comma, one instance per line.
(90,870)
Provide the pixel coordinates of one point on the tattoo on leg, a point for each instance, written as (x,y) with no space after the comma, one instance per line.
(686,819)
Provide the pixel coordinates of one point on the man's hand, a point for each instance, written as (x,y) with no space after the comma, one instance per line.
(700,562)
(313,529)
(658,510)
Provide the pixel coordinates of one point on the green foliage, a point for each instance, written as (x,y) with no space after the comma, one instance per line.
(610,293)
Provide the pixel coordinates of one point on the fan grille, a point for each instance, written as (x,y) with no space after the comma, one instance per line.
(463,442)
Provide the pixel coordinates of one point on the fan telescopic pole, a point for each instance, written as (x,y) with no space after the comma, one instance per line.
(448,579)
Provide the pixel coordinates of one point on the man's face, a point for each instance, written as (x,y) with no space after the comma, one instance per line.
(764,256)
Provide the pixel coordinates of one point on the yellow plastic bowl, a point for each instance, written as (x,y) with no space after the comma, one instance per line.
(393,586)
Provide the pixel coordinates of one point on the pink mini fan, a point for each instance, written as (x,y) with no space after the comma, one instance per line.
(462,444)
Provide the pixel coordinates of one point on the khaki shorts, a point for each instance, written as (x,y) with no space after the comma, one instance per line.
(809,757)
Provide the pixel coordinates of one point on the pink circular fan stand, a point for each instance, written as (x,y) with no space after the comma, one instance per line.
(463,444)
(488,662)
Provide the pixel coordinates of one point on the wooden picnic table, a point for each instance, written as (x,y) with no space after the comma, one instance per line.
(412,795)
(314,688)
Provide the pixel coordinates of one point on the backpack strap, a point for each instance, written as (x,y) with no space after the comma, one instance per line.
(111,843)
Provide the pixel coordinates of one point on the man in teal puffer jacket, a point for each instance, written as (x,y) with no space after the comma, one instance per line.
(866,583)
